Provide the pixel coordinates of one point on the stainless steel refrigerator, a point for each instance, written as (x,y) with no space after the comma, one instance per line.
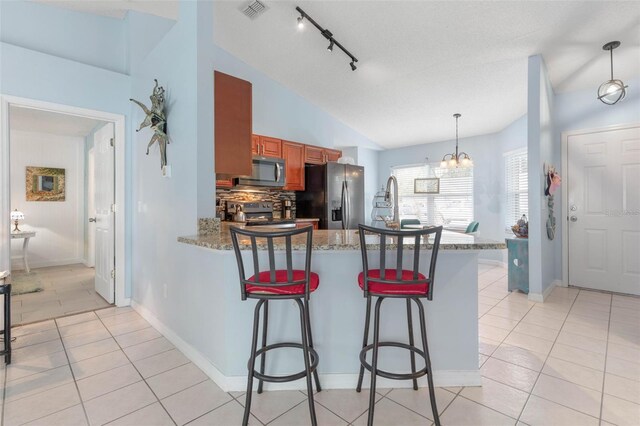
(334,193)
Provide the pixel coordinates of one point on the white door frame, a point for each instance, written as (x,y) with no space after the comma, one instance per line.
(5,187)
(565,195)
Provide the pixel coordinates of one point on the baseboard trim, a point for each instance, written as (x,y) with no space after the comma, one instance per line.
(540,297)
(492,262)
(189,351)
(329,381)
(19,263)
(443,378)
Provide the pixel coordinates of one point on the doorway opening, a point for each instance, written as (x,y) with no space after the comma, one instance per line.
(62,191)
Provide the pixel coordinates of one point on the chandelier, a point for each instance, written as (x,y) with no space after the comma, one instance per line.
(457,159)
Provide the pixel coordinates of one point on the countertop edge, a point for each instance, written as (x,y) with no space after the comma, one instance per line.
(200,241)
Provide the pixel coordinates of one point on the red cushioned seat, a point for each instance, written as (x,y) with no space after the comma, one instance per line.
(390,274)
(281,277)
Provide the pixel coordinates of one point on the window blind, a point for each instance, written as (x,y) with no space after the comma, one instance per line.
(453,206)
(517,186)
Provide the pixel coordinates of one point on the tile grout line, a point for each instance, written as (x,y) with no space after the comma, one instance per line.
(73,376)
(137,371)
(4,393)
(606,351)
(545,362)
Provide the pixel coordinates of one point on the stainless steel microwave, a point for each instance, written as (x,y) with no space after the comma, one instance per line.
(265,171)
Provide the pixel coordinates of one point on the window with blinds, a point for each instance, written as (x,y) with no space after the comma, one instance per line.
(517,186)
(453,206)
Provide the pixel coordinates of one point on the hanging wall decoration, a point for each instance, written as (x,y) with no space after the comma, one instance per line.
(553,182)
(156,120)
(45,184)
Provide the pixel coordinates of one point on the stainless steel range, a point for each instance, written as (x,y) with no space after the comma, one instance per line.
(259,213)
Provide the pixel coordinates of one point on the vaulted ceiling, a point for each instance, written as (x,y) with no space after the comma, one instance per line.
(421,61)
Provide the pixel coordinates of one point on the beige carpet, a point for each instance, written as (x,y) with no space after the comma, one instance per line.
(23,283)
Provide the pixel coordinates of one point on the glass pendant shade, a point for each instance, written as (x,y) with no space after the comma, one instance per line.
(612,91)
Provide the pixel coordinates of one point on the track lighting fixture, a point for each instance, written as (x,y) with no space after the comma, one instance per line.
(330,48)
(328,35)
(612,91)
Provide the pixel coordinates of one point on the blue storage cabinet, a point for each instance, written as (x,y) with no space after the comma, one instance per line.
(518,249)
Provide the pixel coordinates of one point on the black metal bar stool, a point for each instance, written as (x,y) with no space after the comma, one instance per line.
(287,284)
(400,283)
(5,290)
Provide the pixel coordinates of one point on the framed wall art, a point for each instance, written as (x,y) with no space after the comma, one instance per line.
(426,186)
(45,184)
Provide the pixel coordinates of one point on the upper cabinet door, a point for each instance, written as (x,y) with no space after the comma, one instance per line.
(313,155)
(270,147)
(293,154)
(332,154)
(255,145)
(232,132)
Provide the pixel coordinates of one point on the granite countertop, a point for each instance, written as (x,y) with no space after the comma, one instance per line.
(329,239)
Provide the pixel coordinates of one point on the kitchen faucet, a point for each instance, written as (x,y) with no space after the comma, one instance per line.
(392,181)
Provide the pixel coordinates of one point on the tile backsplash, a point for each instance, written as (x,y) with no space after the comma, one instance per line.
(224,195)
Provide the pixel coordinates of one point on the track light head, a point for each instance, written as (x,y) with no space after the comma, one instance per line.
(353,66)
(330,48)
(300,22)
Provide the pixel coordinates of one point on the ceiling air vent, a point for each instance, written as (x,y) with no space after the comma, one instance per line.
(254,9)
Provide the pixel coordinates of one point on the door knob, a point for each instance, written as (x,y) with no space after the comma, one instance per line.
(92,219)
(573,218)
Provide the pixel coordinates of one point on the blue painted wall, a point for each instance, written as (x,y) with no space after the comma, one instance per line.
(79,37)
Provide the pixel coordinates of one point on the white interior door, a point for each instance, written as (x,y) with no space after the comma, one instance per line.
(91,209)
(604,210)
(104,190)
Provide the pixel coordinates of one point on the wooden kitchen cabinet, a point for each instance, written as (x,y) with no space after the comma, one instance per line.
(266,146)
(293,154)
(224,183)
(301,223)
(255,145)
(332,154)
(233,125)
(313,154)
(318,155)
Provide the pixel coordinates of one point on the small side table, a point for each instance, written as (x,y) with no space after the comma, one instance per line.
(26,235)
(518,249)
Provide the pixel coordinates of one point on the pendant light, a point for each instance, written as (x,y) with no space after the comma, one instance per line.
(612,91)
(456,159)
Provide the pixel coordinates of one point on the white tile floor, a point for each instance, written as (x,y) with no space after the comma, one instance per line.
(574,360)
(67,289)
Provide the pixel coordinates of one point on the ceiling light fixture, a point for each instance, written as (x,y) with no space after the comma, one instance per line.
(328,35)
(455,160)
(612,91)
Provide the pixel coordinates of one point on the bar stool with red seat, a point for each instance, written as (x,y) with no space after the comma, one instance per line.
(399,283)
(282,284)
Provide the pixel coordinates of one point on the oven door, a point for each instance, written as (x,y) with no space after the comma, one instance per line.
(265,172)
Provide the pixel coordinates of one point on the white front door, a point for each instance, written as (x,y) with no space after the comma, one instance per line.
(604,210)
(104,201)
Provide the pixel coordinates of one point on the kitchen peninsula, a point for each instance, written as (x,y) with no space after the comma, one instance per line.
(210,297)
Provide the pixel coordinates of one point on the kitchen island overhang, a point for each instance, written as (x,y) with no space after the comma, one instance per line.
(212,325)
